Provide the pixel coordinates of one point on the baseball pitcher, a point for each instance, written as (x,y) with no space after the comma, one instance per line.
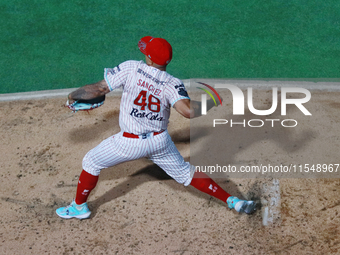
(149,93)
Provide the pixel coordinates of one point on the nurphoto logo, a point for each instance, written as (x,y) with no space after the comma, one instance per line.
(239,105)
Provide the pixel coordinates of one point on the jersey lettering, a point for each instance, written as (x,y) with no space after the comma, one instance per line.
(149,76)
(153,104)
(150,116)
(149,87)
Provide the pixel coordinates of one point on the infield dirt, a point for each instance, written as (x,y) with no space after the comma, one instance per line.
(136,207)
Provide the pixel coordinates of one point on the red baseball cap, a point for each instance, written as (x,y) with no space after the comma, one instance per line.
(157,49)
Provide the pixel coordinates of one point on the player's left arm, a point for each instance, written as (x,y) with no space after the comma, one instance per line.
(90,91)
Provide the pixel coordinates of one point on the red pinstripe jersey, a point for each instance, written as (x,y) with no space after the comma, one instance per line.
(148,94)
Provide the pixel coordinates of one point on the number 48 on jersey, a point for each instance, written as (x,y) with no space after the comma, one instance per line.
(152,102)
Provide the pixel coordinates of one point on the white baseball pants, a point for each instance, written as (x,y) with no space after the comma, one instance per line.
(159,148)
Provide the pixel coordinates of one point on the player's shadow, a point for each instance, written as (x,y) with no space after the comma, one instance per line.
(149,173)
(98,125)
(226,144)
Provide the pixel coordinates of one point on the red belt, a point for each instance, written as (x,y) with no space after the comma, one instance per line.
(129,135)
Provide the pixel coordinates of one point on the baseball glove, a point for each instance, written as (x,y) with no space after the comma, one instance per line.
(86,105)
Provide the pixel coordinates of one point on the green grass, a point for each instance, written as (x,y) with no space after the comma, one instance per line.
(61,44)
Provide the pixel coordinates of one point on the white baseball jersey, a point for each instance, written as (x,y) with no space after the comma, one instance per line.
(148,94)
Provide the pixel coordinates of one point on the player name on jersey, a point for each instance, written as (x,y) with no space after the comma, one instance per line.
(149,87)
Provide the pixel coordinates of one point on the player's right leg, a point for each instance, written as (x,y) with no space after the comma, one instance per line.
(112,151)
